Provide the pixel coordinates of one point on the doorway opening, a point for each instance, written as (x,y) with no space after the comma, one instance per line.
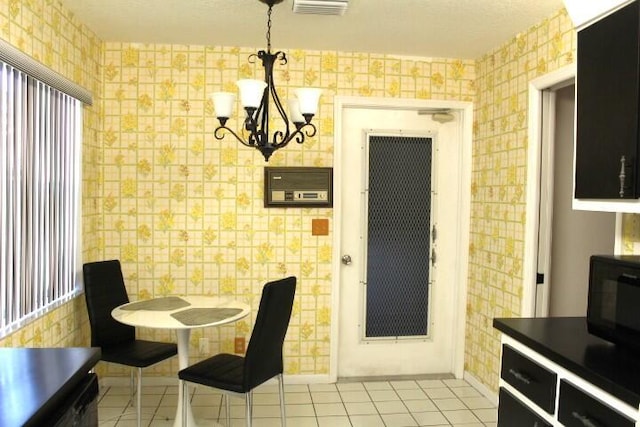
(558,246)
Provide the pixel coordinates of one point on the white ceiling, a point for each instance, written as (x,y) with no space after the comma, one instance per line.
(430,28)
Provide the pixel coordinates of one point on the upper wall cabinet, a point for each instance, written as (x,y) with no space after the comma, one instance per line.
(607,107)
(585,12)
(607,110)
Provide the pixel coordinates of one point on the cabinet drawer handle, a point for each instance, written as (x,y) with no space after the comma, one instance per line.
(586,422)
(622,175)
(520,377)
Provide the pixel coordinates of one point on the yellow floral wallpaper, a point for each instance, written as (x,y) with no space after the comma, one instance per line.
(499,181)
(50,34)
(630,234)
(185,212)
(182,210)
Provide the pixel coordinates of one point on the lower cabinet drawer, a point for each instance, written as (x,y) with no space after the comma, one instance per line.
(513,413)
(529,378)
(579,409)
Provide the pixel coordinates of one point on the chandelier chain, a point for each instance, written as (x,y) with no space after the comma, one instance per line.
(269,29)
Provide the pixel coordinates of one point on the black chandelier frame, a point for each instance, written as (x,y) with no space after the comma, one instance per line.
(257,119)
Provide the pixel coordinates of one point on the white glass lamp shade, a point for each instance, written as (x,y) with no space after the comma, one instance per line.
(223,103)
(308,98)
(251,92)
(294,111)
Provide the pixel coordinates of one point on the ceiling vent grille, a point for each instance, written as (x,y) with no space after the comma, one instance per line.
(320,7)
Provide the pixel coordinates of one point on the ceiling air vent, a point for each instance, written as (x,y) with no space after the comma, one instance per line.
(320,7)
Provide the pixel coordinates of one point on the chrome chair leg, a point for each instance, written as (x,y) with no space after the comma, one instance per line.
(227,408)
(185,402)
(249,404)
(139,397)
(281,390)
(132,386)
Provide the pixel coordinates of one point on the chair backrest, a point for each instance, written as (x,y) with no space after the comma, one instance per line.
(263,359)
(104,290)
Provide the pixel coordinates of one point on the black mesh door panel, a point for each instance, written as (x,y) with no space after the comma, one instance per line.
(398,241)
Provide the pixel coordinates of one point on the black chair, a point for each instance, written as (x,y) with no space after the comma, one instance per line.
(104,290)
(237,375)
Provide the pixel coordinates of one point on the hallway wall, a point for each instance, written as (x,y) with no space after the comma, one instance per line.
(499,181)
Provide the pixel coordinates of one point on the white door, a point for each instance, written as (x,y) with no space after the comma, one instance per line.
(363,350)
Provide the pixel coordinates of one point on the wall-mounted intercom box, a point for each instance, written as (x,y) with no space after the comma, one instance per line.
(298,187)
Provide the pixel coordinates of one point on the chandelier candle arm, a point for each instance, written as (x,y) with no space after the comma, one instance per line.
(294,109)
(219,135)
(251,92)
(308,98)
(223,103)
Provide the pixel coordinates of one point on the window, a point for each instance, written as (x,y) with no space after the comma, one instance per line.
(41,134)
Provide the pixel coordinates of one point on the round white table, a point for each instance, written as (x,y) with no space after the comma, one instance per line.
(182,314)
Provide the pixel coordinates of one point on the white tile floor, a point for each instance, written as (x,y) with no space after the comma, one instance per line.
(354,404)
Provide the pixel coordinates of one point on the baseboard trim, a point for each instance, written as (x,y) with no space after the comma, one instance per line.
(307,379)
(418,377)
(170,381)
(483,389)
(297,379)
(146,381)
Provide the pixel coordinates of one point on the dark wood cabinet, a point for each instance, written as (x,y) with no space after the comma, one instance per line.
(48,387)
(530,378)
(512,412)
(607,107)
(594,382)
(579,409)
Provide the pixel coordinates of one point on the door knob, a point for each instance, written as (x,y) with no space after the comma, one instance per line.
(346,259)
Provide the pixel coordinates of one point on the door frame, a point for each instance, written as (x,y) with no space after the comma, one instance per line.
(540,145)
(465,130)
(545,201)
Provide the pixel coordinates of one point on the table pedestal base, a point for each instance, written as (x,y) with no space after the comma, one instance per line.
(183,362)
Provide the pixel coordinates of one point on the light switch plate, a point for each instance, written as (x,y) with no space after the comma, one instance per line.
(238,345)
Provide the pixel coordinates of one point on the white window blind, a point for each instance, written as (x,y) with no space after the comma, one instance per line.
(41,134)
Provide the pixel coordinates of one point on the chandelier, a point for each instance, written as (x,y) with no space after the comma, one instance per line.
(257,96)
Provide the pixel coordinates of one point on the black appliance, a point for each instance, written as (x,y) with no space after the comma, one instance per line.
(80,408)
(614,299)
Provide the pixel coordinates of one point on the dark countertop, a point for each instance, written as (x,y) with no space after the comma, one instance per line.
(34,381)
(566,341)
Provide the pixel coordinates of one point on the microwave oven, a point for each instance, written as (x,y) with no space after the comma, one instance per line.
(613,307)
